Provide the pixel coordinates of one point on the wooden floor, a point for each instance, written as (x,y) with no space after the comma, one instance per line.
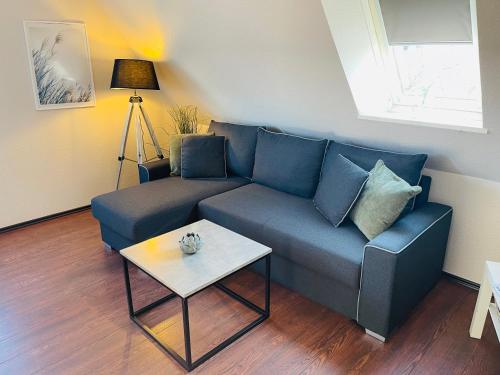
(63,311)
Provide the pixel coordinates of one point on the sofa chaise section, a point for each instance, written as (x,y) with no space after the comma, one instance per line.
(134,214)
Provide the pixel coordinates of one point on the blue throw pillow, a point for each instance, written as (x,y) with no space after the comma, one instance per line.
(174,153)
(240,146)
(288,163)
(203,157)
(407,166)
(339,187)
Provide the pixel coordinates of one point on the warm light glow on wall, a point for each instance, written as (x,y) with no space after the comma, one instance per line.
(100,27)
(154,53)
(148,44)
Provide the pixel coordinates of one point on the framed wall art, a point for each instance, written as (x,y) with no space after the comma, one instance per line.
(60,65)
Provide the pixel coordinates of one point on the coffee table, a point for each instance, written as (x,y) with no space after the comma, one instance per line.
(224,252)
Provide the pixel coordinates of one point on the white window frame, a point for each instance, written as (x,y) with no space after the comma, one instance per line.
(360,43)
(383,55)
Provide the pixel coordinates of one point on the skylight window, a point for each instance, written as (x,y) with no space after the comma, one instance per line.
(411,61)
(429,57)
(441,76)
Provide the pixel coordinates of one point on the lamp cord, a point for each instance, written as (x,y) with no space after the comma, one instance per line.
(144,143)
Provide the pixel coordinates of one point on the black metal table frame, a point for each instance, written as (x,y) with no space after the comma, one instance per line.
(188,363)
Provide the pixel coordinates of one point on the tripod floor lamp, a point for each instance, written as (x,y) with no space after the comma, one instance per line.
(136,75)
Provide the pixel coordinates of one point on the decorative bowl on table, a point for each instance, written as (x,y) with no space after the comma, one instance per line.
(190,243)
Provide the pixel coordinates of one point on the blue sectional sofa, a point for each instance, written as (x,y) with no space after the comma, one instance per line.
(377,282)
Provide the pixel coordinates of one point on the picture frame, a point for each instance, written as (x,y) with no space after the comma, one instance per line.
(60,64)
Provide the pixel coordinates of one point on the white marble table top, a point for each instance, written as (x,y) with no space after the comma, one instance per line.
(223,252)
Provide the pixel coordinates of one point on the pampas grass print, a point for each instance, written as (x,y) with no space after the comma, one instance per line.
(52,88)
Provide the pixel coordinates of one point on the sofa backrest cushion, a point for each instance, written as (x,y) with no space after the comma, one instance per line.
(288,163)
(407,166)
(175,151)
(423,197)
(240,146)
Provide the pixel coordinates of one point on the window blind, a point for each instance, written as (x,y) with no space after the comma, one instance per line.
(427,21)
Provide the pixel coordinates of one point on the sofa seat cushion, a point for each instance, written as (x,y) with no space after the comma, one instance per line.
(292,227)
(143,211)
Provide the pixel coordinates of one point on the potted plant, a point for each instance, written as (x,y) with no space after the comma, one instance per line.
(185,118)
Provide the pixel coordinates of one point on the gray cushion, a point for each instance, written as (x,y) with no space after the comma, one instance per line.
(240,146)
(152,208)
(338,189)
(382,201)
(203,157)
(174,149)
(288,163)
(292,227)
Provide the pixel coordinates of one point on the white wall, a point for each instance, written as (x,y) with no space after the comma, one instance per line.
(51,161)
(275,63)
(474,235)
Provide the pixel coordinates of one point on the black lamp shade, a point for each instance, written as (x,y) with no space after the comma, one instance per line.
(134,74)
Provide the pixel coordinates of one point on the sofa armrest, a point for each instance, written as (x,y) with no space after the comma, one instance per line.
(154,170)
(401,265)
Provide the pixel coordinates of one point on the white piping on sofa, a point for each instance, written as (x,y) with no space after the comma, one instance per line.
(146,169)
(392,252)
